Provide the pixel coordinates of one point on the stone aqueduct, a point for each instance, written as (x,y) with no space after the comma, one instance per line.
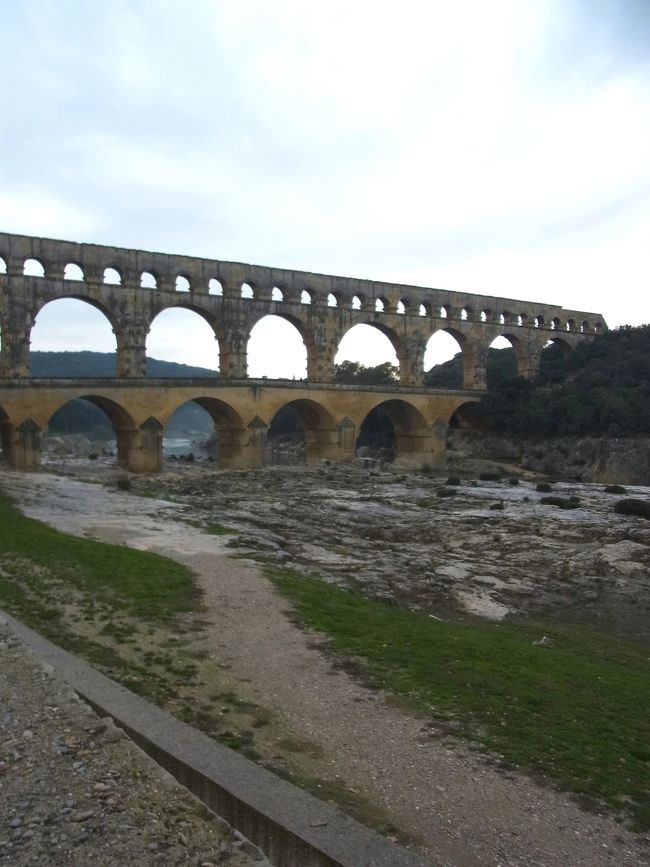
(131,287)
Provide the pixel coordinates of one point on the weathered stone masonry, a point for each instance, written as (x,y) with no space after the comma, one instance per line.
(323,308)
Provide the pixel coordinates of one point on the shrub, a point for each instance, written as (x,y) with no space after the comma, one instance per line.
(453,480)
(496,507)
(638,508)
(513,480)
(124,483)
(544,487)
(615,489)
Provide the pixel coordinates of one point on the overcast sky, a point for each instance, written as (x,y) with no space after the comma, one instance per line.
(499,147)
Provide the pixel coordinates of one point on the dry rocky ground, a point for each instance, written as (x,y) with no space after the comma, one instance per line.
(75,791)
(392,536)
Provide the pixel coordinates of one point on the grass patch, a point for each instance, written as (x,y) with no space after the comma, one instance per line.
(212,529)
(578,712)
(143,584)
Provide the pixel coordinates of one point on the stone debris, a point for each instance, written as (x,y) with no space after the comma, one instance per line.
(75,791)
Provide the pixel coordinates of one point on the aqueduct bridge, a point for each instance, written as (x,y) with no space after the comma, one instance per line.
(131,287)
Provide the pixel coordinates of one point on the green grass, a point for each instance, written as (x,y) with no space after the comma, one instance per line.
(145,585)
(211,528)
(578,712)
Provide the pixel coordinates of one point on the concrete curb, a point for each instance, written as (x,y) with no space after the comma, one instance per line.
(291,827)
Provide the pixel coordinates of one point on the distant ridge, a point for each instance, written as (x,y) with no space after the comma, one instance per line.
(91,364)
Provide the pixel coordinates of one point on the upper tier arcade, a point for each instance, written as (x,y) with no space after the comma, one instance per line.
(131,287)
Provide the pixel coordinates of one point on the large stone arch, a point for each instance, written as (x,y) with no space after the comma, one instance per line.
(320,428)
(185,302)
(413,436)
(313,349)
(232,434)
(473,358)
(396,342)
(128,433)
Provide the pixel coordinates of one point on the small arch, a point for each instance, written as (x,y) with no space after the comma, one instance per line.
(305,297)
(380,305)
(72,271)
(424,310)
(555,323)
(444,312)
(277,294)
(33,268)
(570,325)
(182,283)
(357,303)
(247,291)
(332,300)
(502,319)
(598,327)
(148,280)
(215,287)
(539,321)
(584,328)
(403,305)
(3,265)
(466,314)
(521,319)
(112,277)
(484,316)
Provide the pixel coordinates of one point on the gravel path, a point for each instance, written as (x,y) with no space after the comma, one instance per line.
(466,811)
(74,790)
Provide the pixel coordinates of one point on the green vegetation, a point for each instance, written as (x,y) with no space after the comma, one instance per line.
(600,388)
(577,712)
(354,373)
(145,585)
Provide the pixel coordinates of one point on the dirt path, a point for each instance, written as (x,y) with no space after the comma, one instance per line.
(465,811)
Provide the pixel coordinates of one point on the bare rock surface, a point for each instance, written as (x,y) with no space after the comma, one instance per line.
(398,539)
(74,790)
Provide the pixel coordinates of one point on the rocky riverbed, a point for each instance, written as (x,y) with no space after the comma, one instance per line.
(490,547)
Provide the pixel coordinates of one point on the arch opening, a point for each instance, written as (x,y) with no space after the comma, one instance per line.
(182,284)
(112,277)
(89,428)
(204,428)
(332,300)
(215,287)
(33,268)
(444,359)
(73,337)
(72,271)
(247,291)
(278,348)
(301,431)
(394,428)
(183,336)
(3,265)
(370,345)
(504,359)
(277,294)
(357,303)
(424,310)
(148,280)
(305,297)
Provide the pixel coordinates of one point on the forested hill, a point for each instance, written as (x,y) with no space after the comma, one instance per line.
(602,388)
(85,364)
